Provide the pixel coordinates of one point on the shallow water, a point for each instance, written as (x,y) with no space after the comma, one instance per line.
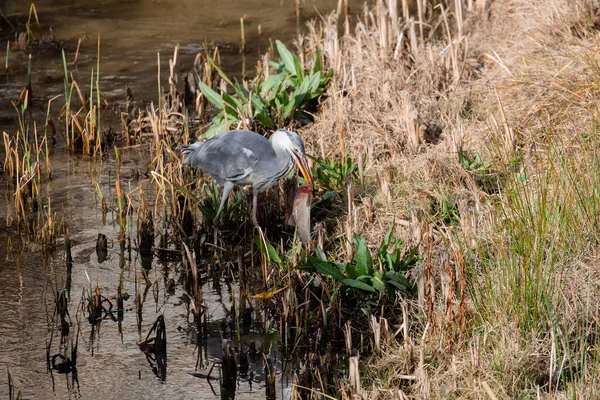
(133,33)
(109,361)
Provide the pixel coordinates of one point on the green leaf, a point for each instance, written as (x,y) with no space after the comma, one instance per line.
(234,103)
(398,285)
(410,258)
(300,93)
(288,109)
(315,81)
(286,56)
(273,254)
(261,112)
(215,129)
(216,67)
(298,67)
(271,251)
(273,82)
(320,254)
(362,258)
(378,283)
(397,279)
(329,195)
(351,272)
(207,211)
(241,91)
(358,285)
(327,268)
(211,95)
(306,267)
(327,79)
(279,67)
(317,64)
(384,247)
(185,191)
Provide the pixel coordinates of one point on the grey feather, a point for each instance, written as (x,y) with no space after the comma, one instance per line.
(231,156)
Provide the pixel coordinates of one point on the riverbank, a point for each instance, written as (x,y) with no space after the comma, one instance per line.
(480,135)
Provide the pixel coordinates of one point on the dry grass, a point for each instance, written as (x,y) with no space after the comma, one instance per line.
(516,82)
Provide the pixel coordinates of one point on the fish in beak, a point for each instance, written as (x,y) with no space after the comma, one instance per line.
(302,164)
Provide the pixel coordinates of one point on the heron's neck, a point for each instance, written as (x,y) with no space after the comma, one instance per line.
(284,160)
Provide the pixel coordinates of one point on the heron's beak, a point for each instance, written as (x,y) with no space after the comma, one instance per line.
(302,164)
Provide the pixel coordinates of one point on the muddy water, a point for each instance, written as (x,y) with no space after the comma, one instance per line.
(109,361)
(133,33)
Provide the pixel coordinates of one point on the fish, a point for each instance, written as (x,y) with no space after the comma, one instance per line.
(300,216)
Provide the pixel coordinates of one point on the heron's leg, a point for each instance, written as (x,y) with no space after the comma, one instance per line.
(227,187)
(254,207)
(226,190)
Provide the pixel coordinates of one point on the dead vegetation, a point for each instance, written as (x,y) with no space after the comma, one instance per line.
(480,130)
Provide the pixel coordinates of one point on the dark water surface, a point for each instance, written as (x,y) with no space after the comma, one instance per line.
(110,364)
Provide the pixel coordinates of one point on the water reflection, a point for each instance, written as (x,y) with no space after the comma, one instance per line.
(155,348)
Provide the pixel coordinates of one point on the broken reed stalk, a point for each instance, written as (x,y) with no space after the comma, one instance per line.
(354,375)
(348,337)
(69,133)
(173,75)
(405,10)
(69,262)
(158,81)
(420,19)
(32,11)
(49,131)
(428,271)
(243,43)
(76,58)
(29,88)
(120,198)
(98,129)
(449,309)
(270,378)
(376,329)
(460,261)
(229,366)
(392,6)
(349,218)
(9,153)
(196,290)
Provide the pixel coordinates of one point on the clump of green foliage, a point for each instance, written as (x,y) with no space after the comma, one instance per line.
(276,101)
(231,209)
(481,171)
(383,273)
(333,175)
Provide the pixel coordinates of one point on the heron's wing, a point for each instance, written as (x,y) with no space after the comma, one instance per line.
(230,156)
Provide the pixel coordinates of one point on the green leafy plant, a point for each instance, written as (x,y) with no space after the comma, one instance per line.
(275,101)
(210,205)
(473,164)
(484,176)
(446,210)
(331,174)
(383,274)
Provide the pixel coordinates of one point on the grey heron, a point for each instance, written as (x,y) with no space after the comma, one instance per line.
(240,158)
